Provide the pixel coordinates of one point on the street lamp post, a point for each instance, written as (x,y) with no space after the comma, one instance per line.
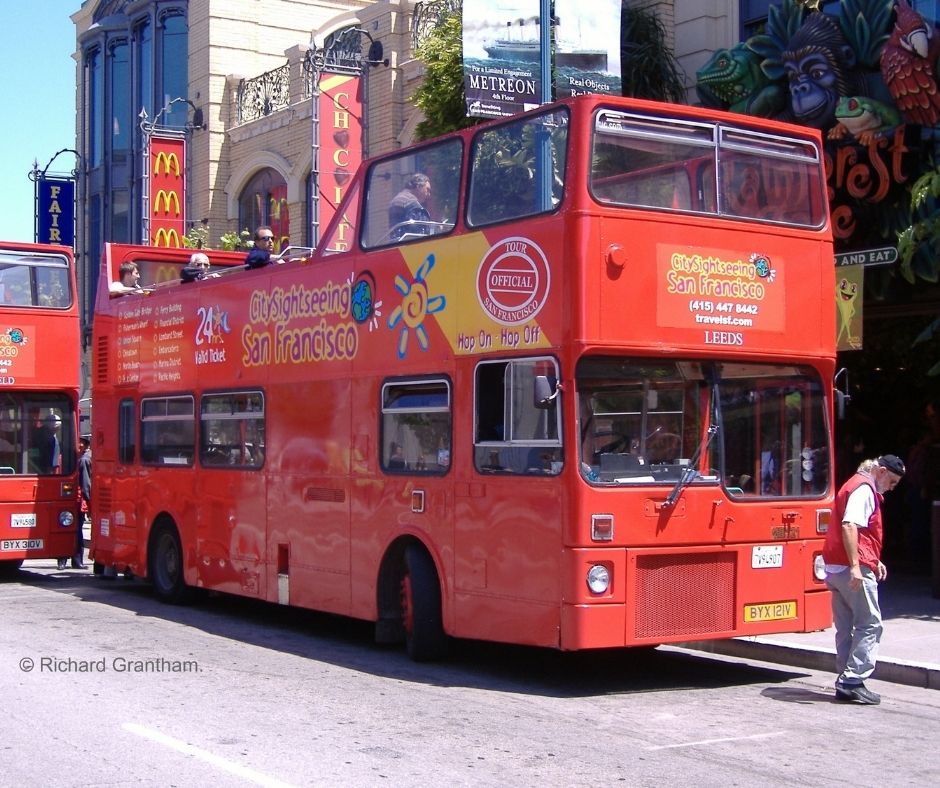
(342,55)
(148,128)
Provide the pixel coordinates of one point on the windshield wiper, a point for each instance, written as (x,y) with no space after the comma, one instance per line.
(690,470)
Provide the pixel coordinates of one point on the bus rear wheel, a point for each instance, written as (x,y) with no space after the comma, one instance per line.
(425,638)
(166,567)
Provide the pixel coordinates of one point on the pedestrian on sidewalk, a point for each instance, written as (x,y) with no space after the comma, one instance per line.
(852,553)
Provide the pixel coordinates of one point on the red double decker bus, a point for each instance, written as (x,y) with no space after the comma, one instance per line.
(582,398)
(39,382)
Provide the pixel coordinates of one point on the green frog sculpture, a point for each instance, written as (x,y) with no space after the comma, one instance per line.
(863,118)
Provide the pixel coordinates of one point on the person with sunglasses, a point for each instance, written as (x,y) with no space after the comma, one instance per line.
(197,268)
(260,255)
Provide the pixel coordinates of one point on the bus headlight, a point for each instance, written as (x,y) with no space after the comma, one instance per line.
(598,579)
(819,567)
(66,519)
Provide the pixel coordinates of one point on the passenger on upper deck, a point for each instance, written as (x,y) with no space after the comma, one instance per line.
(129,281)
(198,268)
(409,205)
(260,255)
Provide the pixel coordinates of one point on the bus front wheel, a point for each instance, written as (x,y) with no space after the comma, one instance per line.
(421,607)
(10,568)
(166,566)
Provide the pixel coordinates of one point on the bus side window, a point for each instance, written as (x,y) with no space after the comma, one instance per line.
(417,420)
(513,433)
(232,429)
(127,422)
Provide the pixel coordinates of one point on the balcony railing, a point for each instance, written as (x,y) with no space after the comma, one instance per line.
(261,96)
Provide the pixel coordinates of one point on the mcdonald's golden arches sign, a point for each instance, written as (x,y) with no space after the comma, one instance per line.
(167,190)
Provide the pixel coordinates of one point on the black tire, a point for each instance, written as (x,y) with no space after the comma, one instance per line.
(425,639)
(166,566)
(9,569)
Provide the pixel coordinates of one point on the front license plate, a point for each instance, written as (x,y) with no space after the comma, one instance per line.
(767,556)
(770,611)
(8,545)
(23,520)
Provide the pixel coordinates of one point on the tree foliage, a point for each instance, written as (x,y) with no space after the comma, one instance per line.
(648,66)
(441,97)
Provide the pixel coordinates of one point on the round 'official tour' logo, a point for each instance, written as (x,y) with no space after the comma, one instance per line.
(513,281)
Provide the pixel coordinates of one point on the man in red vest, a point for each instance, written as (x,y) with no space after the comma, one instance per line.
(853,569)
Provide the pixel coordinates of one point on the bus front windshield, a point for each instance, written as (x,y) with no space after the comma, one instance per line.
(757,429)
(36,434)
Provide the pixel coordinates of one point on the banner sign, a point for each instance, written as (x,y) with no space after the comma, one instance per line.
(55,211)
(587,47)
(501,61)
(167,190)
(850,282)
(340,142)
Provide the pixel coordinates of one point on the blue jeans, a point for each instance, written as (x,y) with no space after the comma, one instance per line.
(857,618)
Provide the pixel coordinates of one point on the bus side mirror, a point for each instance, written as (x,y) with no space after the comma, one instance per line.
(842,399)
(544,394)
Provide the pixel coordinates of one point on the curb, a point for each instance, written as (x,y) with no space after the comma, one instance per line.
(896,671)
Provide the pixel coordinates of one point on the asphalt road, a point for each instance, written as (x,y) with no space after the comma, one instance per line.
(103,685)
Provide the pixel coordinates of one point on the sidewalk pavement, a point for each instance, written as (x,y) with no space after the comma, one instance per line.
(910,645)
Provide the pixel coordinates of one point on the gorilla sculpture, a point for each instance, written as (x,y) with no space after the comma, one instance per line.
(820,68)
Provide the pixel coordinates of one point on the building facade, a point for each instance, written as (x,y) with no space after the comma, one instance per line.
(235,80)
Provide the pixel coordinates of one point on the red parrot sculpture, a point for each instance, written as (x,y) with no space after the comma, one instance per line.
(909,66)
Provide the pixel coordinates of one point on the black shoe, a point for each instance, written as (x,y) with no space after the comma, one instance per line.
(857,694)
(62,563)
(77,564)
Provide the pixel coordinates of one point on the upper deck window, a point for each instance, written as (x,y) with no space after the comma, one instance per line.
(708,168)
(28,279)
(518,168)
(413,195)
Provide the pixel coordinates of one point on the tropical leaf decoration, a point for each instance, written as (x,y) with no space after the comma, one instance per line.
(782,23)
(919,242)
(866,25)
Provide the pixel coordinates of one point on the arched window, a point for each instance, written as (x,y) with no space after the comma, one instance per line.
(264,201)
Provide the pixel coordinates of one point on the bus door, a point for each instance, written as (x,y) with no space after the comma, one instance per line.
(308,492)
(510,505)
